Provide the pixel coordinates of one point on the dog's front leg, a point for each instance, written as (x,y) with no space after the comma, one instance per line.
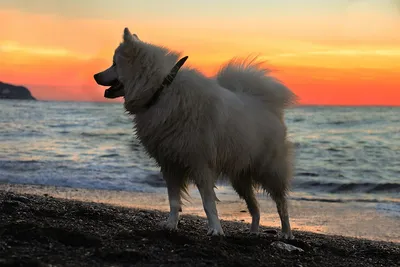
(174,197)
(206,189)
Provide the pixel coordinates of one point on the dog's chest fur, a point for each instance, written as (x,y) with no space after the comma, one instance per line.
(172,138)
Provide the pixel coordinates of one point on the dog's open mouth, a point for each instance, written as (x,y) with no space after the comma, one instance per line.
(116,87)
(116,90)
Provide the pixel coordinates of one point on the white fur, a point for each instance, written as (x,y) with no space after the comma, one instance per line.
(201,129)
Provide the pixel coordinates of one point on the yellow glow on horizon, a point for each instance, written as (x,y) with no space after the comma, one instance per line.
(14,47)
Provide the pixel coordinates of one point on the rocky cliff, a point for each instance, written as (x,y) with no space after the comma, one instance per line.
(9,91)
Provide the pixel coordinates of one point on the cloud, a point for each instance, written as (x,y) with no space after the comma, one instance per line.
(15,47)
(358,52)
(348,52)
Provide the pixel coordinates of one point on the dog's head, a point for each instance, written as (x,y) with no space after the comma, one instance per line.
(113,76)
(138,72)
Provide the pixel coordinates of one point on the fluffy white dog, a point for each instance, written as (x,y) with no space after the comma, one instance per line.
(199,129)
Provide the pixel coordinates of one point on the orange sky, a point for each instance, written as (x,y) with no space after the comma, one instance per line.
(343,53)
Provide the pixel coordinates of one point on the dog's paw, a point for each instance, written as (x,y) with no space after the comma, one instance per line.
(286,236)
(169,225)
(254,233)
(215,232)
(254,230)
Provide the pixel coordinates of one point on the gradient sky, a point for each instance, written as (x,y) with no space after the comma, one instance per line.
(339,52)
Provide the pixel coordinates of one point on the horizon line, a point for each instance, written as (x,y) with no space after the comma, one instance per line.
(294,106)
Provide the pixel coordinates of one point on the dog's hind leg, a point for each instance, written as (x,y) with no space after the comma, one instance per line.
(281,205)
(205,183)
(243,186)
(175,186)
(275,184)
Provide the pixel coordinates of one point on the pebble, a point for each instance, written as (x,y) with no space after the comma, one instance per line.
(286,247)
(271,231)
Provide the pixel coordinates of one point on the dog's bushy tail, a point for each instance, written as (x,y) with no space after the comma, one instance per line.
(248,76)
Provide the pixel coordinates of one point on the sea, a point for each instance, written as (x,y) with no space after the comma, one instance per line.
(343,154)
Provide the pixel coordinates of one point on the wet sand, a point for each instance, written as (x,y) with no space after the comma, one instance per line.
(40,230)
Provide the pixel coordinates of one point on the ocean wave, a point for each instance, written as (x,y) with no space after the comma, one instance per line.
(64,125)
(309,174)
(113,155)
(344,200)
(96,176)
(351,187)
(20,165)
(104,134)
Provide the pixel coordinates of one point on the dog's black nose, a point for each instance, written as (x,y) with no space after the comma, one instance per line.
(96,77)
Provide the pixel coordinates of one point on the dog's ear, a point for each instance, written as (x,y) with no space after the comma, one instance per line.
(127,35)
(135,37)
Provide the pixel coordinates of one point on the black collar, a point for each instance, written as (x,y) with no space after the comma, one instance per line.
(167,82)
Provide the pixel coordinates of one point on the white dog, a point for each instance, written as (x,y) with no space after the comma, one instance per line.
(199,129)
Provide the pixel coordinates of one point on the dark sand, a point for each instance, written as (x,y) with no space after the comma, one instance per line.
(45,231)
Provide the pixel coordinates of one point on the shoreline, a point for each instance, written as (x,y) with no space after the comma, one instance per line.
(43,230)
(358,220)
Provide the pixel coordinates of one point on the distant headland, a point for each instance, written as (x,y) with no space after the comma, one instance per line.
(10,91)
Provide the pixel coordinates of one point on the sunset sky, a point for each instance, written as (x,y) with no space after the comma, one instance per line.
(338,52)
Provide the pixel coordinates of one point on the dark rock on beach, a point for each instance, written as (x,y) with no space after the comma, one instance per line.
(45,231)
(9,91)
